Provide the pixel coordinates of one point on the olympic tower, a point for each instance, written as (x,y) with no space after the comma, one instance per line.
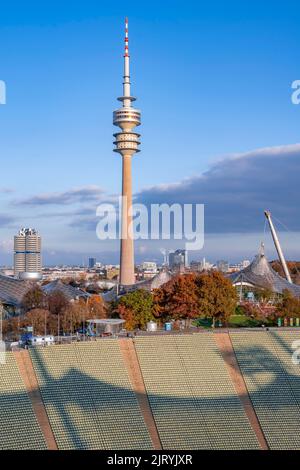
(126,143)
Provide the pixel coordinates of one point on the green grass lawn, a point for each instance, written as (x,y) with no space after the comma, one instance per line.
(235,321)
(238,321)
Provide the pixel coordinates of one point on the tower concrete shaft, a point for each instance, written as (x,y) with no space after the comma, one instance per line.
(127,248)
(127,142)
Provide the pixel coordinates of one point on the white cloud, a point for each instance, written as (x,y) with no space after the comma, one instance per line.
(237,189)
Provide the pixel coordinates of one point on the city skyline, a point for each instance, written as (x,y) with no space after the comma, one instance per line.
(62,77)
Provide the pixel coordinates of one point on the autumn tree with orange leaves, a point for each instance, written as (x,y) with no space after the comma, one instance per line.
(39,319)
(177,299)
(96,307)
(188,296)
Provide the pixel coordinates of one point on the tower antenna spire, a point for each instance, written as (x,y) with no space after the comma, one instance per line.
(126,52)
(126,82)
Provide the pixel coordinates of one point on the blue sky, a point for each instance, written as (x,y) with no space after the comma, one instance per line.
(212,80)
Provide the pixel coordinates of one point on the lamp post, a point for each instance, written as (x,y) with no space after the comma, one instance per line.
(2,343)
(58,327)
(45,332)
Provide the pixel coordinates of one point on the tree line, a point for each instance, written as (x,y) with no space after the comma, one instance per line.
(185,297)
(202,296)
(53,313)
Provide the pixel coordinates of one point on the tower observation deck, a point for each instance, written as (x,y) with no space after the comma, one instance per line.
(126,144)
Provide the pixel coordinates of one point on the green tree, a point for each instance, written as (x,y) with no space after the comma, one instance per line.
(217,297)
(264,295)
(135,307)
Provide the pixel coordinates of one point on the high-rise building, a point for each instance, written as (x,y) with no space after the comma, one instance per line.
(92,262)
(27,254)
(222,266)
(126,142)
(149,268)
(179,258)
(201,265)
(165,254)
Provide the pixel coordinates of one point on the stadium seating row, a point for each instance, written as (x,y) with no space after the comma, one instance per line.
(191,395)
(88,397)
(91,404)
(19,428)
(273,382)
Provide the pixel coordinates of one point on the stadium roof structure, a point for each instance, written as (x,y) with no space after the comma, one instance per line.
(155,282)
(260,274)
(70,292)
(148,284)
(106,321)
(110,295)
(13,290)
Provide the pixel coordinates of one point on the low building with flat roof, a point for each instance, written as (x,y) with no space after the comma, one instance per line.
(105,326)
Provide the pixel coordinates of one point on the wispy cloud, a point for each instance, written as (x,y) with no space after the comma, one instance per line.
(82,194)
(6,220)
(83,223)
(4,190)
